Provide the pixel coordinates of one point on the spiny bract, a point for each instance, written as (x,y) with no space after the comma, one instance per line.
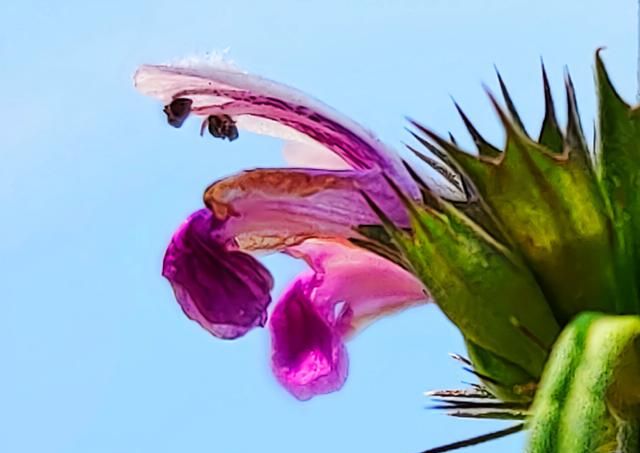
(548,235)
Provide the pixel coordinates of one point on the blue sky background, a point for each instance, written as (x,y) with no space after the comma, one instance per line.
(96,355)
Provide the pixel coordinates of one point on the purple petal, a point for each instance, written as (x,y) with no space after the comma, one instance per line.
(274,109)
(226,292)
(308,357)
(271,209)
(347,289)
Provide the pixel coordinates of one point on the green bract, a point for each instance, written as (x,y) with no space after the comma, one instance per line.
(547,241)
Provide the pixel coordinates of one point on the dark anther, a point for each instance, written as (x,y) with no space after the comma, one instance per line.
(222,126)
(177,111)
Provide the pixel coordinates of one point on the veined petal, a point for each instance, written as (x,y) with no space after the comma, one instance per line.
(273,109)
(271,209)
(346,288)
(225,291)
(371,285)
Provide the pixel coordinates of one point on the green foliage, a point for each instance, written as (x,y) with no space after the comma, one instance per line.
(619,152)
(547,240)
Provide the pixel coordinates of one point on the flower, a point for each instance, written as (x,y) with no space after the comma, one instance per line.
(535,259)
(307,213)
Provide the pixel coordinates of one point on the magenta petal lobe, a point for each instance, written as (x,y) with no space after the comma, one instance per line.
(308,356)
(225,291)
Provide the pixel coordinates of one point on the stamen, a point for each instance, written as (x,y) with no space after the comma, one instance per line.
(221,126)
(177,111)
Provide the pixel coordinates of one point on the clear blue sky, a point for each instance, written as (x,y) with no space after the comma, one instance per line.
(96,355)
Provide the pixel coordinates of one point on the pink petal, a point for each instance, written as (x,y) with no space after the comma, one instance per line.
(274,109)
(347,288)
(271,209)
(312,155)
(371,285)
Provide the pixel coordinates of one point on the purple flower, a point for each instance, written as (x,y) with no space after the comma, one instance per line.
(307,213)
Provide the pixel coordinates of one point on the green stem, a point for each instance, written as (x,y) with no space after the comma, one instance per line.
(589,397)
